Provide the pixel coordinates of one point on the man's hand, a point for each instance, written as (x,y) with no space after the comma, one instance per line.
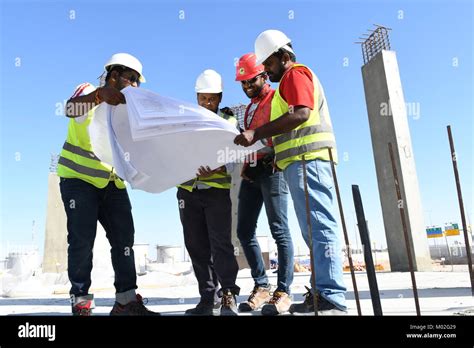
(242,173)
(283,124)
(206,171)
(111,96)
(247,138)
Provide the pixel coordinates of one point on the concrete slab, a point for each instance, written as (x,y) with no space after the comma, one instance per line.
(441,293)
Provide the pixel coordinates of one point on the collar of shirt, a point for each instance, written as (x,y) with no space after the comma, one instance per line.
(287,70)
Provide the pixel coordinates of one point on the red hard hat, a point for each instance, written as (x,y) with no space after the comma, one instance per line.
(246,68)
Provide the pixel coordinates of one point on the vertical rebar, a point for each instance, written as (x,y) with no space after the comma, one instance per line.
(405,231)
(449,252)
(346,237)
(461,208)
(310,235)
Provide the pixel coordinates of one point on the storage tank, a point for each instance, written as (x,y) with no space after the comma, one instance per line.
(140,251)
(168,253)
(23,263)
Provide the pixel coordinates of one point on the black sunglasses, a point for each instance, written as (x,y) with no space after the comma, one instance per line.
(132,79)
(253,80)
(121,70)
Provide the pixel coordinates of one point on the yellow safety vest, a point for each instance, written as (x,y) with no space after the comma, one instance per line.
(217,180)
(78,161)
(310,139)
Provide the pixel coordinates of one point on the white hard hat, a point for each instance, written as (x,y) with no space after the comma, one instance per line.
(128,61)
(209,82)
(269,42)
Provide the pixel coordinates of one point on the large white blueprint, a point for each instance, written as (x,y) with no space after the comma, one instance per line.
(151,115)
(156,143)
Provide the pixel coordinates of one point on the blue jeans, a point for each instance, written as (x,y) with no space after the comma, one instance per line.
(86,204)
(272,191)
(326,242)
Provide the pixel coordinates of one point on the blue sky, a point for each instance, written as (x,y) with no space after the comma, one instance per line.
(48,48)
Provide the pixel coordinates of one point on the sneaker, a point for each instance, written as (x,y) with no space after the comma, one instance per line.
(134,308)
(278,304)
(228,303)
(82,306)
(202,308)
(258,297)
(307,307)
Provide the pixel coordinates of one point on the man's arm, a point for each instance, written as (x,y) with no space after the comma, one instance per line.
(286,123)
(79,106)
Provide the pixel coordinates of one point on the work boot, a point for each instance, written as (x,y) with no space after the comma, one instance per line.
(202,308)
(82,305)
(258,297)
(228,303)
(307,307)
(133,308)
(278,304)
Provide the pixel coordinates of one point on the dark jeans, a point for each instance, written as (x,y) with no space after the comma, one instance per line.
(86,204)
(272,191)
(206,219)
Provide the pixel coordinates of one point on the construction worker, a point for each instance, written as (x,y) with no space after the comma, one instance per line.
(205,212)
(92,191)
(261,184)
(301,131)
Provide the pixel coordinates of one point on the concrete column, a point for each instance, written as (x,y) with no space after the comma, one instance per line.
(55,243)
(388,123)
(234,196)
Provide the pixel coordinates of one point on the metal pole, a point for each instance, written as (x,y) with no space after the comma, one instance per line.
(355,233)
(461,207)
(375,254)
(405,231)
(346,237)
(365,240)
(310,235)
(449,252)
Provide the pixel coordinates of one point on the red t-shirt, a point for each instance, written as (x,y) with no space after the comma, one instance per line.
(297,88)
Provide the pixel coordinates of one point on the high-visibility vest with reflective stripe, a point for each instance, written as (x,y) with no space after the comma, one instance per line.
(217,180)
(310,139)
(78,161)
